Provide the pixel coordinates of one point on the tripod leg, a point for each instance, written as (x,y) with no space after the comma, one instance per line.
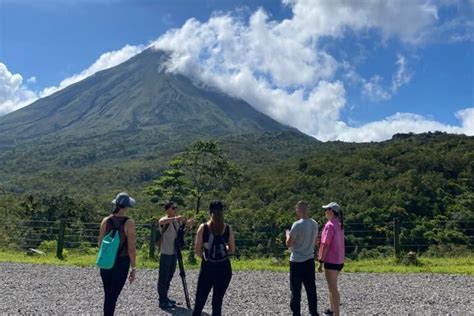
(182,274)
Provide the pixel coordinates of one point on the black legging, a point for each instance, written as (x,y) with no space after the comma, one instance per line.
(215,276)
(113,280)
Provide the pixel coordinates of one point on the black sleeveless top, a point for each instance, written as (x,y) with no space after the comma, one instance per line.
(118,221)
(207,231)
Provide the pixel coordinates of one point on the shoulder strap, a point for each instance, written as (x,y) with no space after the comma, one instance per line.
(226,233)
(211,238)
(112,225)
(125,242)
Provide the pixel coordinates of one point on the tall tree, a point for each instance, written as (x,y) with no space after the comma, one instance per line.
(208,170)
(171,186)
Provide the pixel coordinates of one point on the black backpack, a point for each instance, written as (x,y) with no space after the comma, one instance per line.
(217,246)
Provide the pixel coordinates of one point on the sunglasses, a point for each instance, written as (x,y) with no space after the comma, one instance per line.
(174,207)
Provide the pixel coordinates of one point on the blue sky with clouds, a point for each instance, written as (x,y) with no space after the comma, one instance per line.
(354,70)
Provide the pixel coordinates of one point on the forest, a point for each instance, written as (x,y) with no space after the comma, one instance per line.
(424,181)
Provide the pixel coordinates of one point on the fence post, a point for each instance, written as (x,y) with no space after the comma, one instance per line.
(151,255)
(60,244)
(396,237)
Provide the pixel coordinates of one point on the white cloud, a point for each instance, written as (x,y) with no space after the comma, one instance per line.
(467,118)
(280,68)
(106,60)
(407,20)
(374,90)
(31,80)
(398,123)
(13,94)
(402,76)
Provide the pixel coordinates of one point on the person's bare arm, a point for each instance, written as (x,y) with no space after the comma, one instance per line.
(103,227)
(231,243)
(290,241)
(323,252)
(169,220)
(131,232)
(198,242)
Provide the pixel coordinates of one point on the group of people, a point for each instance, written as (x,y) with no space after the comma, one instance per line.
(214,243)
(302,241)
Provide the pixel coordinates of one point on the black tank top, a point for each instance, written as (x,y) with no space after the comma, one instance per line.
(119,221)
(206,233)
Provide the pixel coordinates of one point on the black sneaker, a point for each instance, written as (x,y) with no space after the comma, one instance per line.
(167,305)
(328,312)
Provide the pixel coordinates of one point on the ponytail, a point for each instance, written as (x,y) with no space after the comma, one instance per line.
(216,210)
(340,216)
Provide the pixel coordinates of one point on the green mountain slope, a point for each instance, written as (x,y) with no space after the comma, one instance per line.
(130,119)
(136,95)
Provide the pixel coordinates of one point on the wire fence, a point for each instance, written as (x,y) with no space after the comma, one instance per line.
(392,237)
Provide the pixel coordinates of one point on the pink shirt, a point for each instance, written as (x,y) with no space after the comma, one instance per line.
(333,237)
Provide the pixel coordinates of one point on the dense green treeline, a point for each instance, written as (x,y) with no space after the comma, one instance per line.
(425,180)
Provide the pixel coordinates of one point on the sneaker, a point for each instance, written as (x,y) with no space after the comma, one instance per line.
(328,312)
(167,305)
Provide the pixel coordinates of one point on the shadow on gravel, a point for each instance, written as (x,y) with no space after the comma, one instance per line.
(181,311)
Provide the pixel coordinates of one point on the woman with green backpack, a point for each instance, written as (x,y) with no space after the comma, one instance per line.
(117,242)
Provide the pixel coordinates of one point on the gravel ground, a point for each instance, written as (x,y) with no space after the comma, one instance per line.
(27,288)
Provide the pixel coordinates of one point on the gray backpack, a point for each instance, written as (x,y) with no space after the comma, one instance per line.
(217,246)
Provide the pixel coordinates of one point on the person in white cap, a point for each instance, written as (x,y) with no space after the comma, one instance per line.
(332,252)
(114,279)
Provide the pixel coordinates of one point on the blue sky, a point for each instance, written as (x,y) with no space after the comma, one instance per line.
(353,70)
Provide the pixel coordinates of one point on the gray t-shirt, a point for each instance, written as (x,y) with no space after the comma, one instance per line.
(304,232)
(168,238)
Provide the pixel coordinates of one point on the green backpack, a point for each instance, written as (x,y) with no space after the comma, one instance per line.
(109,248)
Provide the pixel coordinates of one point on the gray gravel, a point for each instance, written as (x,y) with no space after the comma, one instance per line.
(28,288)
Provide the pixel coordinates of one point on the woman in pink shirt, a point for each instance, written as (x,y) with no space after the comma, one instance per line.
(332,251)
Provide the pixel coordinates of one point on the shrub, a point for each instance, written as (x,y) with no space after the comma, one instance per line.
(410,259)
(447,250)
(48,246)
(84,248)
(378,252)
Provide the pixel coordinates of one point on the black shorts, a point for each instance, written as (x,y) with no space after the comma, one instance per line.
(333,266)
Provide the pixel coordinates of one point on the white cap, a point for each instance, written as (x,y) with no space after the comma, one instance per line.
(333,206)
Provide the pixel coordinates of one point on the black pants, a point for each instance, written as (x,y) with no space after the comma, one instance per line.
(214,276)
(113,280)
(303,273)
(167,269)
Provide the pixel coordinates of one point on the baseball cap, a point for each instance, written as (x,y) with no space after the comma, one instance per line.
(124,199)
(333,206)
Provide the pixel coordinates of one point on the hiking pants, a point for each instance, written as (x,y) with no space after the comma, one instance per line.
(167,269)
(214,276)
(303,273)
(113,280)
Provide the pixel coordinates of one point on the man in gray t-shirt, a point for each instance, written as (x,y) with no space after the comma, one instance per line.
(301,241)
